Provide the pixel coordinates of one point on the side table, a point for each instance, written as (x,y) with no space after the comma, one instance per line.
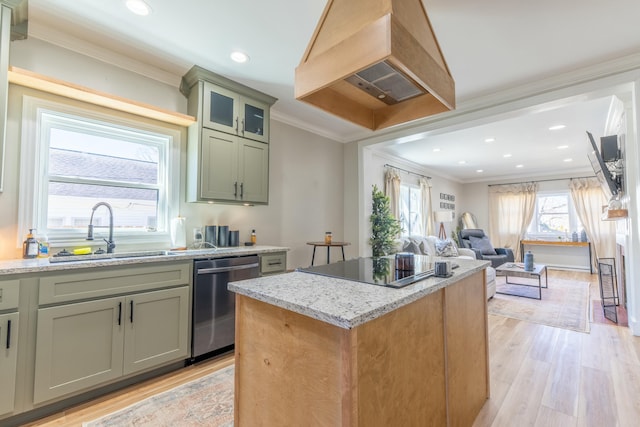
(341,245)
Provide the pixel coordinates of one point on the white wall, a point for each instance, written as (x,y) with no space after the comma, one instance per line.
(306,170)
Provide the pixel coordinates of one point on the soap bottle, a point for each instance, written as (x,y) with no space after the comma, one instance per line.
(253,237)
(30,246)
(43,246)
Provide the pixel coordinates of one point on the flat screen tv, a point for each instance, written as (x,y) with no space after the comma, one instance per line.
(601,170)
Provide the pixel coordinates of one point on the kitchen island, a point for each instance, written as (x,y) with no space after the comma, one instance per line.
(321,351)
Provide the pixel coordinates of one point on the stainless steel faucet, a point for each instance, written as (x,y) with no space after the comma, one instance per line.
(110,243)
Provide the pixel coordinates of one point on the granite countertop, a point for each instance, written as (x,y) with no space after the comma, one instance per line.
(341,302)
(39,265)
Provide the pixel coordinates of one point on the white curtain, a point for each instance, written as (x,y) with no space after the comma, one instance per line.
(427,217)
(588,199)
(511,208)
(392,191)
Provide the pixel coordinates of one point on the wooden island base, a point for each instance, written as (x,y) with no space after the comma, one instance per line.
(424,364)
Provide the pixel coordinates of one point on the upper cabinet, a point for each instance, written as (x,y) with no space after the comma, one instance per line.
(226,111)
(232,168)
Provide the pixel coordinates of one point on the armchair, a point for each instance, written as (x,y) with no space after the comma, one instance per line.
(478,242)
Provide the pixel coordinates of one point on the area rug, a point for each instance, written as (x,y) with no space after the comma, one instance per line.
(564,304)
(207,401)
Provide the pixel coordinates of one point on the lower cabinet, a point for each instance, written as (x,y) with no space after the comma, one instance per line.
(8,360)
(84,344)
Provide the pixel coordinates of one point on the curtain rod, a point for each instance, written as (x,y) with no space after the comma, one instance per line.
(543,180)
(404,170)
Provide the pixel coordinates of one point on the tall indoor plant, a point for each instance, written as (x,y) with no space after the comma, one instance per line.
(384,227)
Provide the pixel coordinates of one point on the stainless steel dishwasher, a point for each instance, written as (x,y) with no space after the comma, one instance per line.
(214,306)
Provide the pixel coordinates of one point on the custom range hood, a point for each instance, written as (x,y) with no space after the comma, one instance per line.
(376,63)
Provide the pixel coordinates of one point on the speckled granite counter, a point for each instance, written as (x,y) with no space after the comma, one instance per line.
(38,265)
(342,302)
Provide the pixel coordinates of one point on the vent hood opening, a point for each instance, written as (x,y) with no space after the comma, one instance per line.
(376,65)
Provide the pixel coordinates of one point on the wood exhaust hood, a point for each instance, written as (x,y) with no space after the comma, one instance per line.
(376,63)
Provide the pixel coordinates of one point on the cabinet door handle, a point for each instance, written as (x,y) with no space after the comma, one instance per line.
(242,127)
(242,190)
(8,334)
(236,125)
(131,311)
(272,263)
(235,189)
(119,313)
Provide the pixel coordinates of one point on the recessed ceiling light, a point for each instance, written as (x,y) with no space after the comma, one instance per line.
(139,7)
(435,150)
(568,160)
(519,166)
(490,140)
(479,171)
(557,127)
(239,57)
(562,147)
(506,156)
(462,162)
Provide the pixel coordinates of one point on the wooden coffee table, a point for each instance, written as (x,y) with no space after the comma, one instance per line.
(515,269)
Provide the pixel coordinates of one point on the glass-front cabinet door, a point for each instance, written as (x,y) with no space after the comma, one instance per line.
(220,109)
(228,112)
(255,123)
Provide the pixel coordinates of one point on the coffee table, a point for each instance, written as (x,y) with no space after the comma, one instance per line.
(515,269)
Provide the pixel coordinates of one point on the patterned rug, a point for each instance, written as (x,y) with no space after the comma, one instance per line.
(207,401)
(564,304)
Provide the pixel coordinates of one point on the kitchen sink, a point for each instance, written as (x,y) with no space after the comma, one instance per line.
(93,257)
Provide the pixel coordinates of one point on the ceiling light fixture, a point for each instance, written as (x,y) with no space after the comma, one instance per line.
(139,7)
(557,127)
(506,156)
(239,57)
(562,147)
(436,150)
(479,171)
(519,166)
(568,160)
(462,162)
(490,140)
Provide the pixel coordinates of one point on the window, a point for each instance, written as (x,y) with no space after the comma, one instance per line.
(410,210)
(554,216)
(80,158)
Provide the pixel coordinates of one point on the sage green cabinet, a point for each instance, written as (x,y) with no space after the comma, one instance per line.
(78,346)
(273,263)
(233,169)
(227,149)
(84,344)
(8,360)
(227,111)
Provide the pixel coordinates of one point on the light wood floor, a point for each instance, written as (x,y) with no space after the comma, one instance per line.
(540,376)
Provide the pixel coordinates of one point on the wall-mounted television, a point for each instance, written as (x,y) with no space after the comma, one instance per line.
(608,183)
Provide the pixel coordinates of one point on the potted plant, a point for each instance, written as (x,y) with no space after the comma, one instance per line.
(384,227)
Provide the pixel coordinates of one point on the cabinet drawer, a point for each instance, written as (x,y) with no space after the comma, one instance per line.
(273,263)
(93,283)
(9,291)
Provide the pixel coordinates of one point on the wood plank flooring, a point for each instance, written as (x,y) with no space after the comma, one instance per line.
(540,376)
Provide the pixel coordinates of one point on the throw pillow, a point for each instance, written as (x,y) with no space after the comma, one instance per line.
(446,248)
(483,245)
(411,247)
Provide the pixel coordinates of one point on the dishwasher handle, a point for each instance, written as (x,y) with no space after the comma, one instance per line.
(226,269)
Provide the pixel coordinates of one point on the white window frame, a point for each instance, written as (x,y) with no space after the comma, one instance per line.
(33,197)
(406,233)
(574,222)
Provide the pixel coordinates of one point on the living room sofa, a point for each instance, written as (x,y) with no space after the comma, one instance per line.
(426,245)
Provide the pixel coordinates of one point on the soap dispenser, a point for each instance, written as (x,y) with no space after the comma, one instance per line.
(30,246)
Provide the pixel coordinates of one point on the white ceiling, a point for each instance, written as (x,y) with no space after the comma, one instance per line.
(490,46)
